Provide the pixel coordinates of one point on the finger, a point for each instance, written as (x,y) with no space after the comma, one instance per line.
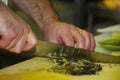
(79,38)
(31,42)
(93,44)
(87,37)
(53,39)
(19,42)
(14,41)
(25,43)
(67,38)
(5,41)
(57,40)
(18,46)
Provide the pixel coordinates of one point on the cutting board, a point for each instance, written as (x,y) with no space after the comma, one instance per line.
(35,69)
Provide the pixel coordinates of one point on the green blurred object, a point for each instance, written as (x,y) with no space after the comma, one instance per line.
(113,43)
(115,35)
(112,47)
(116,53)
(110,42)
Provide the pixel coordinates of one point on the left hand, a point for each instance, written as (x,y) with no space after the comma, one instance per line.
(68,34)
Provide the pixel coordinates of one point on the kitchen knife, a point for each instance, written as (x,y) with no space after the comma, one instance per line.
(43,48)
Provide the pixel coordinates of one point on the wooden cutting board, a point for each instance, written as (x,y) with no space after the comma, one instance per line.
(34,69)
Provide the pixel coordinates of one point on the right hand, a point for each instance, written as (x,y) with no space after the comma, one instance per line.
(16,35)
(68,34)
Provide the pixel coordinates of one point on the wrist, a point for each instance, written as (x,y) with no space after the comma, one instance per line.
(48,22)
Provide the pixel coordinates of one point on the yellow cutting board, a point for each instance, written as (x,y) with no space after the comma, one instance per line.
(34,69)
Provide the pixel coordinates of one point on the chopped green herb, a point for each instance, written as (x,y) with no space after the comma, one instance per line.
(74,66)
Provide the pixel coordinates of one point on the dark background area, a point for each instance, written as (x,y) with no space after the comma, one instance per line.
(86,14)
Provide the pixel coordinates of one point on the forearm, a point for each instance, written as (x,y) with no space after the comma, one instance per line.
(3,8)
(5,12)
(39,10)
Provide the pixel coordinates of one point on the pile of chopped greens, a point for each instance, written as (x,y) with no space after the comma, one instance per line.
(63,64)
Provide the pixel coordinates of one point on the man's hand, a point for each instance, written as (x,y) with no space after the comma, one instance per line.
(16,35)
(68,34)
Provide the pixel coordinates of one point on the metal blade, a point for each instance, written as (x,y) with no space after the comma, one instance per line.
(43,48)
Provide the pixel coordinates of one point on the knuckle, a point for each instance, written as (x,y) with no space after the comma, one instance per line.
(87,34)
(70,43)
(26,29)
(11,35)
(82,39)
(3,45)
(90,34)
(36,42)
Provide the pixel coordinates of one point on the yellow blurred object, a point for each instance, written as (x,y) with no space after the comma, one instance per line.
(116,53)
(113,4)
(115,35)
(59,8)
(38,75)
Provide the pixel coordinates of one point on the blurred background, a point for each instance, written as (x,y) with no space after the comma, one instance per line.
(89,14)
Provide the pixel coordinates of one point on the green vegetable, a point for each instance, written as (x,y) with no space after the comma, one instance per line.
(113,43)
(112,47)
(110,42)
(72,66)
(115,35)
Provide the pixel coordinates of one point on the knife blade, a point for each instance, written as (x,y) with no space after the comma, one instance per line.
(43,48)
